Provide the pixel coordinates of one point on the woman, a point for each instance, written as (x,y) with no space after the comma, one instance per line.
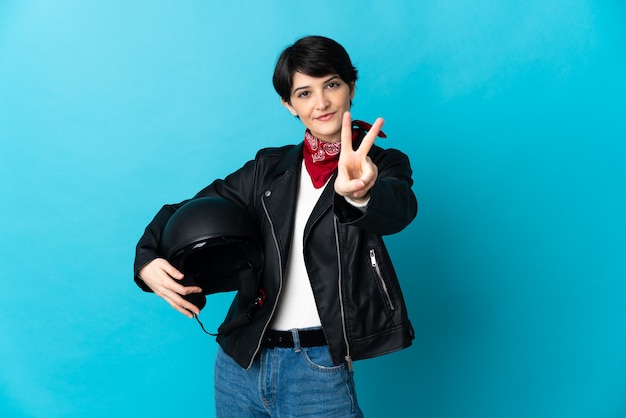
(322,206)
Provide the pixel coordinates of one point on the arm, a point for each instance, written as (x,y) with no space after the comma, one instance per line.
(153,273)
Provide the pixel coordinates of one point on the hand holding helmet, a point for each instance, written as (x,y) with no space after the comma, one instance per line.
(164,280)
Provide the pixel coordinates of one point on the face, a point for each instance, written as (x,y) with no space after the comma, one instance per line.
(320,103)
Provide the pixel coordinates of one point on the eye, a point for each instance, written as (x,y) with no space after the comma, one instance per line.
(333,84)
(304,94)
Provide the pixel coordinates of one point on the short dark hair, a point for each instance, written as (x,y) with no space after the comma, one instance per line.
(315,56)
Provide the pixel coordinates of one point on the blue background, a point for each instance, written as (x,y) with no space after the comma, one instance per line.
(512,114)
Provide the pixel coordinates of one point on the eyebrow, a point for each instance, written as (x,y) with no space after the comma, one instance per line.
(307,87)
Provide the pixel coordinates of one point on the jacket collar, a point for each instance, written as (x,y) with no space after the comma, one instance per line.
(289,162)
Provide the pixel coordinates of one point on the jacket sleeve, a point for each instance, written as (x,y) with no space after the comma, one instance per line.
(148,246)
(392,205)
(236,187)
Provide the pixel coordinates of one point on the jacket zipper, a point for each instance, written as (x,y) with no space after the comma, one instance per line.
(280,276)
(376,268)
(348,358)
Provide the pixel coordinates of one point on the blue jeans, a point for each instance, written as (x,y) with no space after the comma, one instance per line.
(294,382)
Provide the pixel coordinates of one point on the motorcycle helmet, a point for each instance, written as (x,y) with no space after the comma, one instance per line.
(216,245)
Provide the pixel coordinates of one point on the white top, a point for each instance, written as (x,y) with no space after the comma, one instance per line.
(296,308)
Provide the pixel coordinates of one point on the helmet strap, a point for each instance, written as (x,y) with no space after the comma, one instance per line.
(247,300)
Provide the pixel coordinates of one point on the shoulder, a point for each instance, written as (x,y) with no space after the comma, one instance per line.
(270,152)
(392,155)
(277,159)
(285,154)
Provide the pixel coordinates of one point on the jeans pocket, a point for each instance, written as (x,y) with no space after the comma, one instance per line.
(319,358)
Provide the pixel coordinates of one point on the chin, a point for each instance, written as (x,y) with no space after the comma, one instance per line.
(328,134)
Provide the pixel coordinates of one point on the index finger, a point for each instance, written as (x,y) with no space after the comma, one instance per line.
(346,132)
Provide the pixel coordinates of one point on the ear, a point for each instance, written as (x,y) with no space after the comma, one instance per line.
(352,90)
(289,107)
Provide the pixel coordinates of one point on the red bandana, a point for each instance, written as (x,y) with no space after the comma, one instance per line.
(322,158)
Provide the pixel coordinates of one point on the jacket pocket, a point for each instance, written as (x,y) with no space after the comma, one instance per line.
(375,263)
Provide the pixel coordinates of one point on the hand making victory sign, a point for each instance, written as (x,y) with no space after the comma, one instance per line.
(356,172)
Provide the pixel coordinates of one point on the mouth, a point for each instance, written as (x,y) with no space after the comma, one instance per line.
(325,117)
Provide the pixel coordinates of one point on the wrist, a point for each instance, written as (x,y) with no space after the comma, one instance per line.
(359,202)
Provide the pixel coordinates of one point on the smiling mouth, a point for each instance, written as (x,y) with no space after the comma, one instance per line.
(325,117)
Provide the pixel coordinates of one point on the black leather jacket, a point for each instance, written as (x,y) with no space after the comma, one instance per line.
(355,286)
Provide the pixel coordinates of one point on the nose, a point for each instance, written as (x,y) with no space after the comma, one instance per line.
(322,101)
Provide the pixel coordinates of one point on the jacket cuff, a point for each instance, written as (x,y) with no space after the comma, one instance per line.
(138,280)
(361,205)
